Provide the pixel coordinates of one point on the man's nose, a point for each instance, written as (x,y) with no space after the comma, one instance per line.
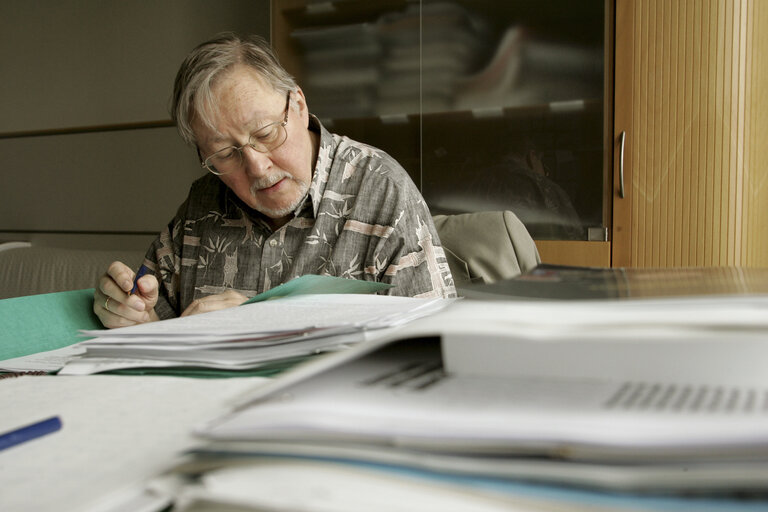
(255,163)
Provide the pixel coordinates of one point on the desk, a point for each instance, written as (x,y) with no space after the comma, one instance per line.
(117,432)
(120,431)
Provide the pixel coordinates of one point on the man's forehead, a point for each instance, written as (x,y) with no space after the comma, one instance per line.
(241,100)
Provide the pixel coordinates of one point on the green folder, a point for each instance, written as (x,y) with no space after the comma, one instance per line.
(38,323)
(315,284)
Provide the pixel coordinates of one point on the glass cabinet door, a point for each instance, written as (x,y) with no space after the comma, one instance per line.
(489,105)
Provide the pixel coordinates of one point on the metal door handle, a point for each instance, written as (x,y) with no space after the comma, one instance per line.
(622,138)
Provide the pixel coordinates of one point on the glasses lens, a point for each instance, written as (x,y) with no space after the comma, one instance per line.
(224,161)
(268,138)
(230,159)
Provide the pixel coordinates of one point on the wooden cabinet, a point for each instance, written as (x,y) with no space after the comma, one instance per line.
(680,83)
(690,107)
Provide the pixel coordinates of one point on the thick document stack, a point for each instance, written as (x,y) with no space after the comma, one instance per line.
(315,313)
(506,405)
(249,336)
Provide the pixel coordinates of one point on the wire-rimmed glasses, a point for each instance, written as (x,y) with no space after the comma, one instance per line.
(264,140)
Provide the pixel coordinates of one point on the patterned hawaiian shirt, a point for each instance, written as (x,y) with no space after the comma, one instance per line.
(363,218)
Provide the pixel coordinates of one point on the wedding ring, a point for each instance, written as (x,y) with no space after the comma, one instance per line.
(106,304)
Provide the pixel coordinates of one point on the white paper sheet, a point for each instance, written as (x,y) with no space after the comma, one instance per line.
(398,395)
(49,361)
(117,432)
(289,314)
(312,486)
(251,335)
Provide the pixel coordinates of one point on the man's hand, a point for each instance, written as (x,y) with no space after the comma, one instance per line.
(113,302)
(224,300)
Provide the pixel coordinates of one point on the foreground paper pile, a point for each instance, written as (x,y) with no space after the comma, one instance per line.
(639,405)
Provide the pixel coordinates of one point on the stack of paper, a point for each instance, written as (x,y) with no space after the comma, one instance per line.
(329,484)
(623,400)
(250,335)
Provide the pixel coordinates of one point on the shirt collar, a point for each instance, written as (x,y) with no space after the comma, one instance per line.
(323,164)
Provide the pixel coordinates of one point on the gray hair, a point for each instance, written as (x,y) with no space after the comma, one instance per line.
(200,71)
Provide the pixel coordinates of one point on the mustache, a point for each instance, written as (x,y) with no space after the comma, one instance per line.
(268,181)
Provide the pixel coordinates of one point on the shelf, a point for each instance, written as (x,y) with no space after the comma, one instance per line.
(340,12)
(579,107)
(575,24)
(459,93)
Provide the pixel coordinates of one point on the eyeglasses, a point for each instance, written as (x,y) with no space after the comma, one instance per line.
(264,140)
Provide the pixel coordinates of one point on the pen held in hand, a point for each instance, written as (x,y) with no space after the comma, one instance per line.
(142,270)
(29,432)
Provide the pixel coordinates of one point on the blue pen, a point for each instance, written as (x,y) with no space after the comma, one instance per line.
(142,270)
(23,434)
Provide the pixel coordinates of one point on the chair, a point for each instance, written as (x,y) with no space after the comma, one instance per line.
(484,247)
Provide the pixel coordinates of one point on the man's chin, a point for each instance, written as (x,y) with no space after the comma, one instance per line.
(278,212)
(276,207)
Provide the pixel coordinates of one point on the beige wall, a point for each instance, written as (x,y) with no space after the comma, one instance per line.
(69,66)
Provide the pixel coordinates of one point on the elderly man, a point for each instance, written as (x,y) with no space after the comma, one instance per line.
(283,197)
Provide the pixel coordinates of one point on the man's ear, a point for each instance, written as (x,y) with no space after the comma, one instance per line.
(301,101)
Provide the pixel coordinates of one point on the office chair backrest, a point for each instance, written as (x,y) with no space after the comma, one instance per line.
(484,247)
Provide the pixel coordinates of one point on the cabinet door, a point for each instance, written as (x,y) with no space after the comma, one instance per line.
(489,105)
(689,108)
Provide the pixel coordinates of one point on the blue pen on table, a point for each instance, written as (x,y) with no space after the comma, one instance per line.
(142,270)
(29,432)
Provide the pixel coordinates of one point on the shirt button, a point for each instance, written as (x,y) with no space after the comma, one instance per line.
(273,243)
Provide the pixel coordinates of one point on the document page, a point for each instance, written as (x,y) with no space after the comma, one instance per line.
(285,315)
(252,335)
(400,395)
(117,432)
(48,361)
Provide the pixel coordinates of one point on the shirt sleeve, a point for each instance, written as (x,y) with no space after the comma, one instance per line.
(163,259)
(411,257)
(417,263)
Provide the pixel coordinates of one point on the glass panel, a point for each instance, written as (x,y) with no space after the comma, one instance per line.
(488,104)
(523,128)
(358,63)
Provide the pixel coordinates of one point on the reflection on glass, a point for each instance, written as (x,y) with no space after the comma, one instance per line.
(510,97)
(520,181)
